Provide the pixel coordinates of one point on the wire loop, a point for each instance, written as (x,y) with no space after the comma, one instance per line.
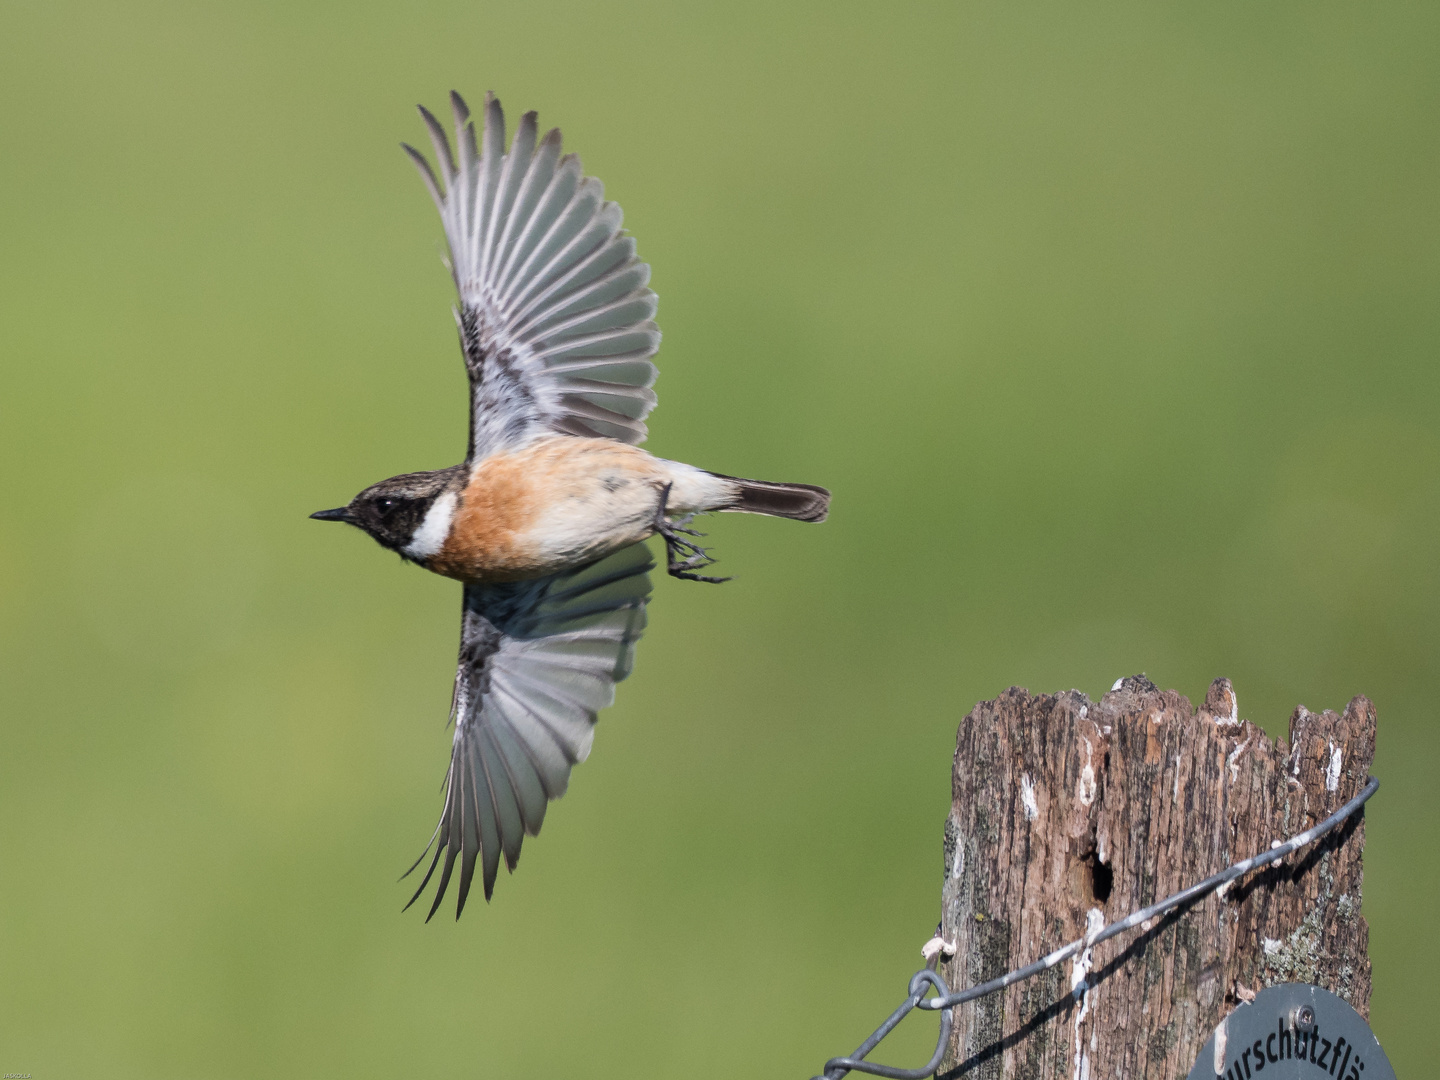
(919,983)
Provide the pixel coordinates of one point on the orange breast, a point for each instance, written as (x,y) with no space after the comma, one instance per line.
(498,530)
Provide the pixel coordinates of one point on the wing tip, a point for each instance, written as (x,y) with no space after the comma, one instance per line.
(426,881)
(444,881)
(441,143)
(427,175)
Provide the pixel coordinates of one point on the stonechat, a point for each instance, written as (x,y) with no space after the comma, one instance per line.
(544,522)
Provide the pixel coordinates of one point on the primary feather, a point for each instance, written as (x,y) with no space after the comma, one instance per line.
(556,319)
(538,661)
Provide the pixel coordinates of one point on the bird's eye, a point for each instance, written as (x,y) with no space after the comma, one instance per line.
(386,505)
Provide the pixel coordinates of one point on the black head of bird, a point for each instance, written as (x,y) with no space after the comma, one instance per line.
(394,511)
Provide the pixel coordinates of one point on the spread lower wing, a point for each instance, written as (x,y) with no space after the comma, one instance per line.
(555,314)
(538,660)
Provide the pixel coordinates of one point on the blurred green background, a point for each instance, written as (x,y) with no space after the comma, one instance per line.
(1113,330)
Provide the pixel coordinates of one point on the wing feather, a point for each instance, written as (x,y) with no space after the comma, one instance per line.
(616,370)
(441,143)
(585,227)
(464,136)
(630,401)
(487,805)
(548,283)
(512,177)
(558,194)
(453,827)
(538,661)
(586,420)
(601,314)
(470,833)
(522,221)
(540,735)
(524,777)
(504,798)
(562,224)
(492,163)
(610,273)
(427,174)
(607,343)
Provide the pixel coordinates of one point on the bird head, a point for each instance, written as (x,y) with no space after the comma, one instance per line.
(409,514)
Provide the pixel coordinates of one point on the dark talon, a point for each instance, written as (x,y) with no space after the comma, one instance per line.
(682,557)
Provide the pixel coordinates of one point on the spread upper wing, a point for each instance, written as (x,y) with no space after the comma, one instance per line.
(538,660)
(555,316)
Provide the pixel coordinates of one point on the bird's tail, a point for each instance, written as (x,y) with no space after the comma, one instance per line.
(802,502)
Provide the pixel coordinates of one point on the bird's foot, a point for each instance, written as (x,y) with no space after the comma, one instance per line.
(682,557)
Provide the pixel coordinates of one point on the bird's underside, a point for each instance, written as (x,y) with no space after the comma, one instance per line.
(562,501)
(545,519)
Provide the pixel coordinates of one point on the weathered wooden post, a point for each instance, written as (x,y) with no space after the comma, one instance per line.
(1068,812)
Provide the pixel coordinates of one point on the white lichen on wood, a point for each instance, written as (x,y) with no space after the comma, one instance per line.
(1232,762)
(1085,786)
(1027,797)
(1332,771)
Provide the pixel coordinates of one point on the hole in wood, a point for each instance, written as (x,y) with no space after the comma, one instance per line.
(1095,878)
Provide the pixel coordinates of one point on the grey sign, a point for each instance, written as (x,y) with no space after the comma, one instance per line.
(1293,1030)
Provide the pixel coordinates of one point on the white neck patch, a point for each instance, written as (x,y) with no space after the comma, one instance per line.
(430,537)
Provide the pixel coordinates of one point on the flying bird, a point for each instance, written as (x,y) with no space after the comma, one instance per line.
(545,520)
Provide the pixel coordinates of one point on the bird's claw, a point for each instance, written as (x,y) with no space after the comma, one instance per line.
(682,558)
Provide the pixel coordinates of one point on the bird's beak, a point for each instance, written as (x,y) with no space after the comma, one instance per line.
(340,513)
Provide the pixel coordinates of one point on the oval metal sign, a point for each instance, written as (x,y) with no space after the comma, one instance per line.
(1293,1030)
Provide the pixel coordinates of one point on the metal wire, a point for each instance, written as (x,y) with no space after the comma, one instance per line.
(944,1002)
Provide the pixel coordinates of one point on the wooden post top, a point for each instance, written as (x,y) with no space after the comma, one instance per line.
(1066,810)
